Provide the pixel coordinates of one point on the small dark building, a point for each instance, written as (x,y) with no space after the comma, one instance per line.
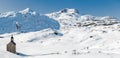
(11,46)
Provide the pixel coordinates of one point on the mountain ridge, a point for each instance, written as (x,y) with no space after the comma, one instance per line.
(73,18)
(28,20)
(25,21)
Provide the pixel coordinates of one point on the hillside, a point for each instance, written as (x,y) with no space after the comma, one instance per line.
(25,21)
(71,18)
(63,34)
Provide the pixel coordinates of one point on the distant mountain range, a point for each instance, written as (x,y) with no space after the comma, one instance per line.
(71,18)
(28,20)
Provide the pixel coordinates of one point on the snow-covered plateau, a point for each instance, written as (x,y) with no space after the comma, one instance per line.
(62,34)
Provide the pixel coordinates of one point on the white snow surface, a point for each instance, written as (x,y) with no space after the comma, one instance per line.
(89,42)
(25,21)
(70,18)
(84,41)
(5,54)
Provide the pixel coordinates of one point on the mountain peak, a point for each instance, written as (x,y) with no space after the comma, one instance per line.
(8,14)
(69,10)
(27,10)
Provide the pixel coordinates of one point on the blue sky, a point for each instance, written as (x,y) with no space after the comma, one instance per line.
(93,7)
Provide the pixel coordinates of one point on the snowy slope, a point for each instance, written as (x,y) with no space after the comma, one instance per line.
(66,17)
(8,55)
(25,21)
(28,20)
(77,36)
(94,42)
(71,18)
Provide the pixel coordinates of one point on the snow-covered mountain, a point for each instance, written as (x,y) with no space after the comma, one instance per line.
(62,34)
(87,20)
(66,17)
(28,20)
(25,21)
(71,18)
